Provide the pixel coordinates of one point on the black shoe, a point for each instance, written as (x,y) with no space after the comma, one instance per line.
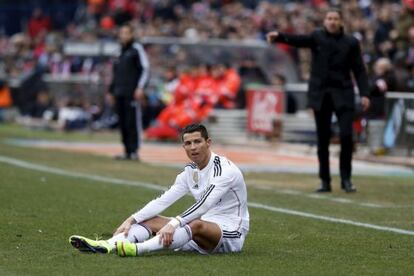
(347,186)
(122,157)
(133,156)
(325,187)
(127,156)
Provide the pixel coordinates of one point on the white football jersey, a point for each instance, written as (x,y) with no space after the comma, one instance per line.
(219,190)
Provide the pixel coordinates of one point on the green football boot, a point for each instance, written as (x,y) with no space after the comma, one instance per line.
(88,245)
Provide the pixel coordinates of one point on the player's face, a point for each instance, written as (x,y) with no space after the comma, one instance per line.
(125,35)
(332,22)
(197,148)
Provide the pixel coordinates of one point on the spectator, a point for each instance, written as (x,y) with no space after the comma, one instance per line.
(38,23)
(291,105)
(42,105)
(409,82)
(409,55)
(250,73)
(383,44)
(382,81)
(5,98)
(404,22)
(73,116)
(228,81)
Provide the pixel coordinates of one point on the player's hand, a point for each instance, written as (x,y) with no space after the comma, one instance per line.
(271,36)
(365,103)
(139,95)
(125,226)
(166,235)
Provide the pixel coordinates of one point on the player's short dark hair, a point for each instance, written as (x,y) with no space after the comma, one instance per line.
(195,128)
(129,26)
(336,10)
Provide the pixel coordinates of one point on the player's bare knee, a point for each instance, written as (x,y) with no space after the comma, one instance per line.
(155,223)
(197,227)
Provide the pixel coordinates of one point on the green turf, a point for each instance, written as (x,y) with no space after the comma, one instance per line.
(39,211)
(15,131)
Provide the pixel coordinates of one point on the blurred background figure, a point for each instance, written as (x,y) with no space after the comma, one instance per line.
(382,80)
(409,82)
(228,81)
(5,98)
(39,24)
(130,75)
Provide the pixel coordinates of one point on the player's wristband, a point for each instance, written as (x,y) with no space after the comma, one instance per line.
(174,223)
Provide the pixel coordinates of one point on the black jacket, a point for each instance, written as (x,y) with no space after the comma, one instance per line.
(130,71)
(334,57)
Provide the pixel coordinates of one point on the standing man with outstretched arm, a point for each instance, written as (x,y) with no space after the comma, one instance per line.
(218,221)
(335,55)
(130,75)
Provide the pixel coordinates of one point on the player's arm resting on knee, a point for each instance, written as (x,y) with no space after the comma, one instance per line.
(168,231)
(156,206)
(125,226)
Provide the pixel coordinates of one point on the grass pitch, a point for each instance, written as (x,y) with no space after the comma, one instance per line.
(39,211)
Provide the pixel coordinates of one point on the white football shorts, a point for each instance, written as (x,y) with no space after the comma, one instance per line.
(232,238)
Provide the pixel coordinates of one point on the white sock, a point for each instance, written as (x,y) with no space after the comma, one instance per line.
(116,238)
(181,236)
(137,233)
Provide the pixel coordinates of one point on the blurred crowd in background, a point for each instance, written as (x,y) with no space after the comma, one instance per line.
(32,38)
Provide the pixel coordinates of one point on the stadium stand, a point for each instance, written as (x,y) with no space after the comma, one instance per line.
(36,59)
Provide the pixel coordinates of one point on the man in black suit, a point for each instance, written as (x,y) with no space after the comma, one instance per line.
(335,55)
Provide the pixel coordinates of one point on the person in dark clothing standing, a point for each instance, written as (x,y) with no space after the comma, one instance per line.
(335,55)
(130,74)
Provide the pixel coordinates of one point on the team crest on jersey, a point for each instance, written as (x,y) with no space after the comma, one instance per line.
(195,179)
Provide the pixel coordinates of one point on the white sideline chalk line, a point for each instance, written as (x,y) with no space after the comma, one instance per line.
(326,197)
(47,169)
(336,220)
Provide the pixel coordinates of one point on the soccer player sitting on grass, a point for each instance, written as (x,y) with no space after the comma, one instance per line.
(217,222)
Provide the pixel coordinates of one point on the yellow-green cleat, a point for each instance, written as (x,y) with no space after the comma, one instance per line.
(88,245)
(126,249)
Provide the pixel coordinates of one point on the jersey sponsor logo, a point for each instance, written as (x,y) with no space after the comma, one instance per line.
(217,166)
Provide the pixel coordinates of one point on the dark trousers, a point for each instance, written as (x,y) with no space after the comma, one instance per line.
(323,119)
(130,123)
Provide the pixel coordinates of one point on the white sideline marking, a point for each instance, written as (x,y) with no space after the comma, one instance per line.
(325,197)
(47,169)
(336,220)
